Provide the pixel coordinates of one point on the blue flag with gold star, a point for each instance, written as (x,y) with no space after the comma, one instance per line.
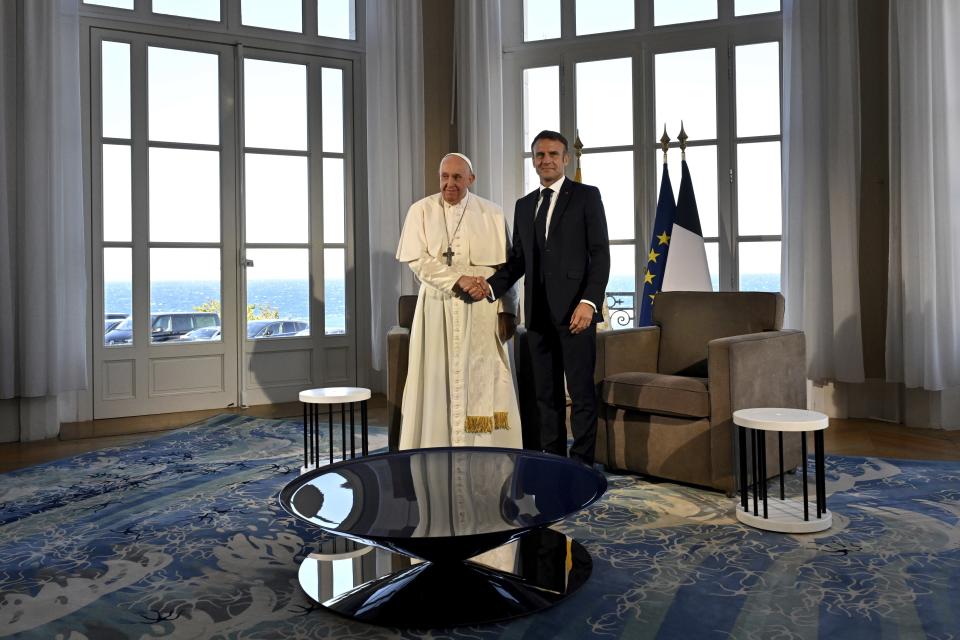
(659,246)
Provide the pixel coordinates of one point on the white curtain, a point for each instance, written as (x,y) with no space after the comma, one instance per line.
(923,302)
(821,184)
(478,89)
(395,156)
(43,289)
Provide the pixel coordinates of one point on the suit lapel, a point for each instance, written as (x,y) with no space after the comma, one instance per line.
(530,212)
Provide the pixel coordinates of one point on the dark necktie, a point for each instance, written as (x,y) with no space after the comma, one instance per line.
(540,225)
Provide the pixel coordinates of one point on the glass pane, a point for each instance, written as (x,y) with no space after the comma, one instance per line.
(184,292)
(117,295)
(334,292)
(541,19)
(115,81)
(686,89)
(605,102)
(119,4)
(612,173)
(601,17)
(116,193)
(713,263)
(336,19)
(621,288)
(277,192)
(750,7)
(184,94)
(673,12)
(759,266)
(285,15)
(275,111)
(200,9)
(332,106)
(184,195)
(758,189)
(758,89)
(530,178)
(702,164)
(541,102)
(334,210)
(278,288)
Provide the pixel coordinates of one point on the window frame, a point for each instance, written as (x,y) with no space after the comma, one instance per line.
(642,44)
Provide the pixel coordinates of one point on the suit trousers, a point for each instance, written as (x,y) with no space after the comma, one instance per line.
(556,353)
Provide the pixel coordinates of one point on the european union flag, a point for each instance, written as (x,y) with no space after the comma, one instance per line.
(659,246)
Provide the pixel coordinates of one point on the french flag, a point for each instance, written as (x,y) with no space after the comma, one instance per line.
(687,269)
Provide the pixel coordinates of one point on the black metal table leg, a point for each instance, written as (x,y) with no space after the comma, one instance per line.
(756,463)
(780,443)
(803,455)
(763,470)
(343,431)
(330,425)
(742,437)
(820,473)
(315,427)
(306,440)
(353,437)
(363,428)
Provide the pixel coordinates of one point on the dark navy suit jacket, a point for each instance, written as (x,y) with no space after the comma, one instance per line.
(576,259)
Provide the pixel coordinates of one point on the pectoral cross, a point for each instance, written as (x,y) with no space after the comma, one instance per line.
(448,254)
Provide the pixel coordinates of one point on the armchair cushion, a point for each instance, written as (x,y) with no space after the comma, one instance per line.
(658,393)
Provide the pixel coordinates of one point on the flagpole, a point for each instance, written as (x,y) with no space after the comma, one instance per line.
(665,143)
(578,149)
(683,142)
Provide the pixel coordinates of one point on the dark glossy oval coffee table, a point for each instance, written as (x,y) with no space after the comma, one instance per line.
(436,510)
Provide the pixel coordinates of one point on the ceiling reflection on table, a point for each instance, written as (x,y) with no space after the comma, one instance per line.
(435,493)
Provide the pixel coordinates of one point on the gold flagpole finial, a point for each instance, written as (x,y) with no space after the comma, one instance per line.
(683,142)
(578,149)
(665,143)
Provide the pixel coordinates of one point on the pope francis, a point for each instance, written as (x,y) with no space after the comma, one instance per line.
(459,389)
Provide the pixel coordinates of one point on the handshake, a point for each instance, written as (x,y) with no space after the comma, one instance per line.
(474,286)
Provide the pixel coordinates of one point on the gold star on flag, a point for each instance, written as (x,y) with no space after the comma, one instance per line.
(648,278)
(653,297)
(652,257)
(664,238)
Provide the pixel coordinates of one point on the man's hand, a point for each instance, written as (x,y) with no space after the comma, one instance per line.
(582,317)
(474,286)
(506,326)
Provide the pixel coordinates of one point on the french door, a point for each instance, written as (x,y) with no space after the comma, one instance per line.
(222,224)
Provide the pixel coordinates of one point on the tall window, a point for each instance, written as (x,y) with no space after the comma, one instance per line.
(222,194)
(616,73)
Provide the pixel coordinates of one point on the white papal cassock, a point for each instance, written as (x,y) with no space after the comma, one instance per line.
(459,389)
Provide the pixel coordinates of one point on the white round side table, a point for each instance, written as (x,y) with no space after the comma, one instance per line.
(330,396)
(785,515)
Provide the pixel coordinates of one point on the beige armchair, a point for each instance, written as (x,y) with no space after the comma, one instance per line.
(668,392)
(398,351)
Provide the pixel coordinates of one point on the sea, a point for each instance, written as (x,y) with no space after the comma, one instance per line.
(291,298)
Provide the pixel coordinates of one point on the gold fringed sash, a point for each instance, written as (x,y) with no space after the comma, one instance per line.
(486,424)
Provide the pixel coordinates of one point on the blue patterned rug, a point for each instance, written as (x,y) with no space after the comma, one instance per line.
(181,537)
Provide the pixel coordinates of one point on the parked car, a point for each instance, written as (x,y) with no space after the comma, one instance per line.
(203,333)
(165,326)
(109,324)
(257,329)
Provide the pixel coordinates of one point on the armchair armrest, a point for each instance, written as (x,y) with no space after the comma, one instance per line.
(398,352)
(766,369)
(636,349)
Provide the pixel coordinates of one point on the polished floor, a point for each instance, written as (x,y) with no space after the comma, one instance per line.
(844,437)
